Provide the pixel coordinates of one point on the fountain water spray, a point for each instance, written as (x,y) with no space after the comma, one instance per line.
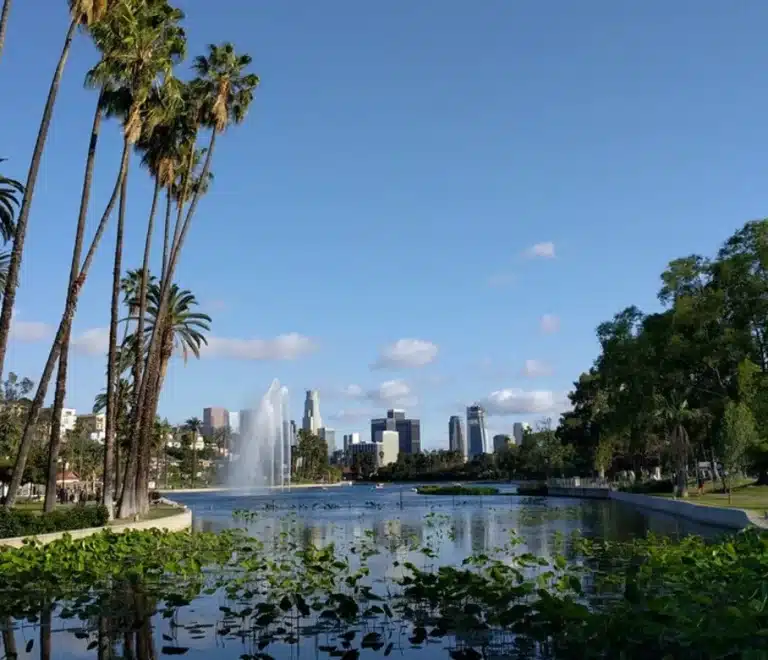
(263,459)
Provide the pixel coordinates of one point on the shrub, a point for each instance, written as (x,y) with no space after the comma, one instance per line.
(457,490)
(25,523)
(533,490)
(650,487)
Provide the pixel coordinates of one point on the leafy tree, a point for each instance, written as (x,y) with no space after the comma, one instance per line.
(738,435)
(364,465)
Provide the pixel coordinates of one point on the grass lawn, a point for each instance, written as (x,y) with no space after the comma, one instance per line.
(156,511)
(745,496)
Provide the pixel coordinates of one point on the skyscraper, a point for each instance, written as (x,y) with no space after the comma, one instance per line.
(351,439)
(500,442)
(518,431)
(409,430)
(329,435)
(213,419)
(247,423)
(381,424)
(476,435)
(456,439)
(312,421)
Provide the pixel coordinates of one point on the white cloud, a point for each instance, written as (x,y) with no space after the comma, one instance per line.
(389,393)
(514,401)
(395,392)
(549,323)
(92,342)
(536,368)
(283,347)
(29,331)
(406,353)
(542,250)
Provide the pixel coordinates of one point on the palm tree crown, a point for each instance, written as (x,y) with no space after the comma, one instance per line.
(184,327)
(9,189)
(224,91)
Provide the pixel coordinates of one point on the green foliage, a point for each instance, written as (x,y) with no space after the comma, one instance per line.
(659,390)
(737,436)
(14,522)
(645,598)
(364,465)
(457,490)
(10,193)
(310,460)
(662,486)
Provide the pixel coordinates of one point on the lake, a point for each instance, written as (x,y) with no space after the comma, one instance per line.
(381,529)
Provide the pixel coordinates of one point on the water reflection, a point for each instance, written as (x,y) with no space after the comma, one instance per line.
(129,622)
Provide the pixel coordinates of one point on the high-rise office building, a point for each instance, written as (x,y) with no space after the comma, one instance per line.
(381,424)
(247,419)
(351,439)
(294,434)
(456,440)
(409,430)
(214,419)
(329,435)
(500,442)
(311,421)
(476,434)
(518,431)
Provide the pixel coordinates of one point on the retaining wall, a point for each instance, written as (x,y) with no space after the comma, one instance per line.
(583,493)
(709,515)
(173,523)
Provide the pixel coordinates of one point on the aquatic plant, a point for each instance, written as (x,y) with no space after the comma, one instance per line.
(646,598)
(457,490)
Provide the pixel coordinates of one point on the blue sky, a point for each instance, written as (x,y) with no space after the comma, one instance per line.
(400,162)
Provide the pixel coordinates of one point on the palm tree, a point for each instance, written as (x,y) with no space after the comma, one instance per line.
(9,189)
(82,12)
(133,55)
(158,142)
(194,426)
(674,415)
(182,332)
(4,23)
(221,96)
(150,44)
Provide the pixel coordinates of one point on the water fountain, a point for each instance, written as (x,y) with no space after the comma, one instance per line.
(263,459)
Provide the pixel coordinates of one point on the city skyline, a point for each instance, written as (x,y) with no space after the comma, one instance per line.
(338,168)
(456,438)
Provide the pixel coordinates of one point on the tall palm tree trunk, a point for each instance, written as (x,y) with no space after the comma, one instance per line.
(135,418)
(64,324)
(4,23)
(54,441)
(74,269)
(143,459)
(166,230)
(112,367)
(12,277)
(153,358)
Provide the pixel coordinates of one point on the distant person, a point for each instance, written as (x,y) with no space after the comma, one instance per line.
(701,485)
